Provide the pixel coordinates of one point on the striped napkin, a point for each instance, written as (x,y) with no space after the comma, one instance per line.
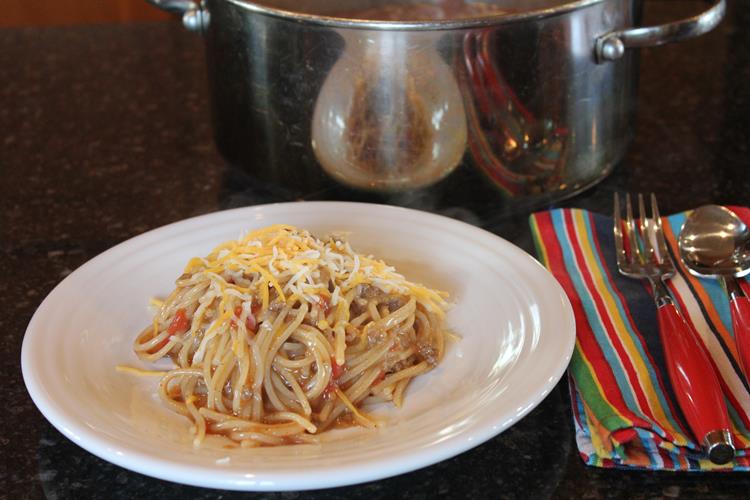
(624,408)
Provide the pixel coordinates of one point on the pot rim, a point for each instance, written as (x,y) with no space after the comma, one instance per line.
(441,24)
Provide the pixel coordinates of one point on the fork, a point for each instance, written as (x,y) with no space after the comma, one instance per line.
(642,253)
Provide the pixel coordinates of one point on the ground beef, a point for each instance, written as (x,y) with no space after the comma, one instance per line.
(427,353)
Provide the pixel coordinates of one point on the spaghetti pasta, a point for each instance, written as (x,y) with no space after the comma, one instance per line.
(278,336)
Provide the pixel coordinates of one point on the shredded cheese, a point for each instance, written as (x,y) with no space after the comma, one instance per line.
(140,371)
(283,251)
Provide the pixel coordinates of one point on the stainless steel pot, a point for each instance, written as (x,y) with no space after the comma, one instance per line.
(525,106)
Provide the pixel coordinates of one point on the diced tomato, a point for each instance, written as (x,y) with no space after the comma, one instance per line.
(333,384)
(179,323)
(158,346)
(325,304)
(251,323)
(255,305)
(237,313)
(338,370)
(379,378)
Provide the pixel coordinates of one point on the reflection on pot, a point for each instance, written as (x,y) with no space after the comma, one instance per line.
(387,122)
(520,153)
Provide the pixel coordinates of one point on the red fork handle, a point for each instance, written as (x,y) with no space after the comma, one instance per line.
(740,308)
(696,385)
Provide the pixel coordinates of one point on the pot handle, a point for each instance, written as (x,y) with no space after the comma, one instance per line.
(611,46)
(194,16)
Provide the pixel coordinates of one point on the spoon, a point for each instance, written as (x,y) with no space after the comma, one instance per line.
(714,242)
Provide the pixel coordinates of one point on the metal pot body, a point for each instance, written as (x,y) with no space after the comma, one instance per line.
(518,111)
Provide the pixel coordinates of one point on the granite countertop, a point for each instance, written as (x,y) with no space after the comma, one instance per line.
(105,133)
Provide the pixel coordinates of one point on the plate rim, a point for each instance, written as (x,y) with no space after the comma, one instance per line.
(195,475)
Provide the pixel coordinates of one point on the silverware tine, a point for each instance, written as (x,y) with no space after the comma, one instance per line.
(632,232)
(622,257)
(661,241)
(648,233)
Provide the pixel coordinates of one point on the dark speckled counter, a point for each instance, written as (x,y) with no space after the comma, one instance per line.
(105,133)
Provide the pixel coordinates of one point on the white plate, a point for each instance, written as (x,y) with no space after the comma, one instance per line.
(516,325)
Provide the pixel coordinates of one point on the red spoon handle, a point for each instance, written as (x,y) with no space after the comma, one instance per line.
(740,308)
(693,378)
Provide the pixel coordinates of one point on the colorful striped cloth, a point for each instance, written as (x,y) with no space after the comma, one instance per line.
(624,409)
